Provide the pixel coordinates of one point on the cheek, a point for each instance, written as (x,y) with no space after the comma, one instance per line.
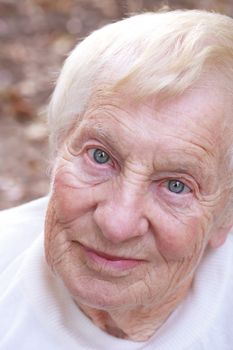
(71,199)
(69,202)
(55,236)
(181,238)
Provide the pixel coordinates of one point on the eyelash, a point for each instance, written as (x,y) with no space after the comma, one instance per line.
(92,150)
(186,189)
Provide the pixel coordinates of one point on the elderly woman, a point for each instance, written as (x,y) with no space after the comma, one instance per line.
(137,247)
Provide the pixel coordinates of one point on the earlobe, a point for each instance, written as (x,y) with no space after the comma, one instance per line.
(219,237)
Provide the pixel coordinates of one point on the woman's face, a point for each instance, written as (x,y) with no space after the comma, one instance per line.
(138,193)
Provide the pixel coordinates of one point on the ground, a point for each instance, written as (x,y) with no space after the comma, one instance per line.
(35,38)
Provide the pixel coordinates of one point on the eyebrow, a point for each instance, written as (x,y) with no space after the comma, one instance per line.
(195,166)
(96,129)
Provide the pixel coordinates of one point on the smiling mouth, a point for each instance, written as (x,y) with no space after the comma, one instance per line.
(107,256)
(108,261)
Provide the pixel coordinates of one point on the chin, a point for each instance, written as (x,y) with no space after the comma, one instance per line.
(97,293)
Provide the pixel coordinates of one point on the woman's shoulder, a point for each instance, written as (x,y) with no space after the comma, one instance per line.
(19,227)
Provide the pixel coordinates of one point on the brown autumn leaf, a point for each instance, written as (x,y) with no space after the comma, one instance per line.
(22,110)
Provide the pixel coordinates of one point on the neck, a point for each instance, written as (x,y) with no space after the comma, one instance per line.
(137,324)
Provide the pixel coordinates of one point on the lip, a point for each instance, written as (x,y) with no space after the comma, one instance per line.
(109,262)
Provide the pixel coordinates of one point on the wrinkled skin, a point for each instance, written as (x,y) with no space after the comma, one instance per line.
(125,208)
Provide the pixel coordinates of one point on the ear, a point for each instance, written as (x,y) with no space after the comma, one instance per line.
(220,236)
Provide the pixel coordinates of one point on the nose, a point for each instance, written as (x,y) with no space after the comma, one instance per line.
(120,216)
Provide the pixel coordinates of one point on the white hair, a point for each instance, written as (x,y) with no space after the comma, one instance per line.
(160,53)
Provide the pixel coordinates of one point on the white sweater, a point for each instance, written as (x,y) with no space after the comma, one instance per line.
(36,311)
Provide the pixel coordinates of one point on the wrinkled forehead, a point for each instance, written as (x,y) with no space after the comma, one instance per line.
(207,102)
(201,116)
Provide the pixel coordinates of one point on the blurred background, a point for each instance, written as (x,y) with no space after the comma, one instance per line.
(35,37)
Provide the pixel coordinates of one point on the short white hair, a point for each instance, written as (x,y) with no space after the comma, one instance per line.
(148,54)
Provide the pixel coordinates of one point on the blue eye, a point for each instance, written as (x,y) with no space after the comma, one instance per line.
(100,156)
(177,186)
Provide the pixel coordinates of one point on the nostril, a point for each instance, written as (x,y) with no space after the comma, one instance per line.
(119,224)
